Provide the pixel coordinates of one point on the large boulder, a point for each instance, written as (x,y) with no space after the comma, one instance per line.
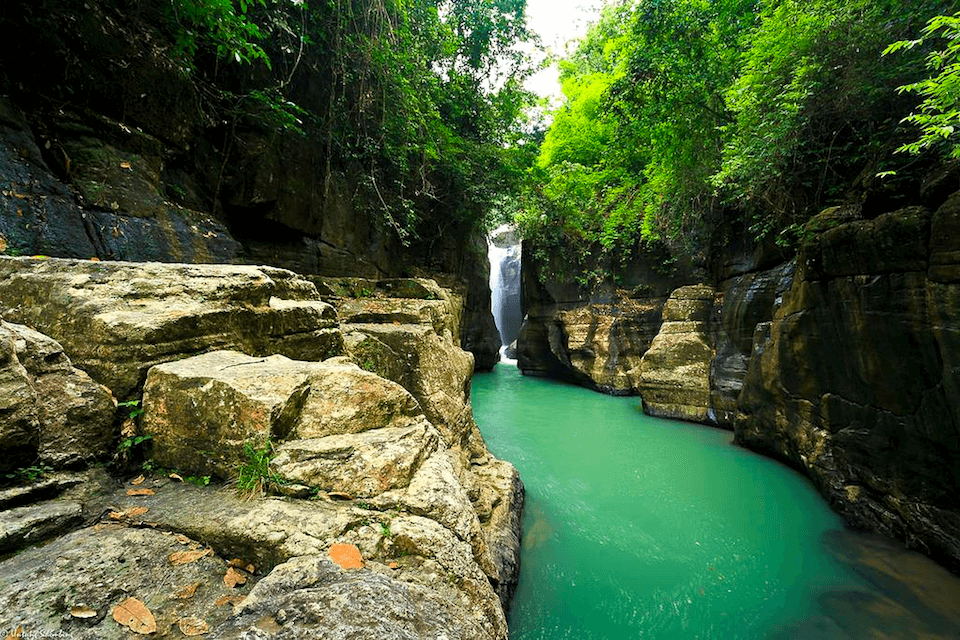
(314,599)
(117,319)
(363,438)
(856,379)
(674,374)
(204,412)
(49,410)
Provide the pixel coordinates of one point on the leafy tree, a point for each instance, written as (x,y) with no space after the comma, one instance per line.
(939,115)
(420,100)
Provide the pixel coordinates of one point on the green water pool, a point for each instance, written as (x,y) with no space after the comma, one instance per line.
(637,527)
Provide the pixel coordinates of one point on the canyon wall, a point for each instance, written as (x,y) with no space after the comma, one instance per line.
(841,361)
(132,165)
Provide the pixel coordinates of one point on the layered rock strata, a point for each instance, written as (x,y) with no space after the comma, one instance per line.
(394,472)
(117,319)
(856,380)
(674,374)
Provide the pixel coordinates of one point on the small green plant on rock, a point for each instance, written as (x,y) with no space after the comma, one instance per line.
(26,475)
(136,410)
(254,475)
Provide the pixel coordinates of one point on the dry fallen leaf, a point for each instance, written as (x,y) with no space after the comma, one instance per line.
(138,480)
(242,564)
(187,591)
(186,557)
(347,556)
(17,634)
(182,539)
(223,600)
(141,492)
(136,511)
(175,476)
(124,165)
(193,626)
(134,614)
(394,565)
(94,259)
(115,515)
(234,578)
(83,611)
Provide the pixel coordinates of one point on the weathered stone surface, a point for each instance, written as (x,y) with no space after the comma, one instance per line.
(343,398)
(36,523)
(48,408)
(203,411)
(435,371)
(746,300)
(310,598)
(272,531)
(118,319)
(856,380)
(674,374)
(499,505)
(97,568)
(362,465)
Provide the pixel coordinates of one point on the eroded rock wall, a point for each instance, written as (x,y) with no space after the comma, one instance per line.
(856,379)
(592,338)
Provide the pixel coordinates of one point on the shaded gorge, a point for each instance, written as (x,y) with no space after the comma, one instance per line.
(638,527)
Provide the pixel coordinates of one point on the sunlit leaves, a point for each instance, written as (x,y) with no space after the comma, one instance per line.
(939,113)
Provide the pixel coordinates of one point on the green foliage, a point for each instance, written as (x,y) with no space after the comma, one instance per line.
(134,406)
(679,114)
(27,475)
(220,24)
(939,112)
(130,442)
(254,475)
(198,481)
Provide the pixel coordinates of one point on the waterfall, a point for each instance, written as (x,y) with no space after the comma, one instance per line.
(505,284)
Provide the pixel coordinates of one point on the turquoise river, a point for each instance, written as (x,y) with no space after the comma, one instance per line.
(637,527)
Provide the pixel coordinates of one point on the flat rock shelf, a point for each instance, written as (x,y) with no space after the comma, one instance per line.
(639,527)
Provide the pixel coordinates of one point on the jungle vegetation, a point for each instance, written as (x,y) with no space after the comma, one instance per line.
(681,115)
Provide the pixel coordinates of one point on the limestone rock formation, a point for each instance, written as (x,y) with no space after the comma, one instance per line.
(49,410)
(72,585)
(117,319)
(674,374)
(597,338)
(856,379)
(746,300)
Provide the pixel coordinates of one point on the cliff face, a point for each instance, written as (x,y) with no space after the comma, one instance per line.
(843,362)
(594,339)
(133,165)
(856,379)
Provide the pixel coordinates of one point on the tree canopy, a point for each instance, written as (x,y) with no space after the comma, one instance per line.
(422,99)
(677,113)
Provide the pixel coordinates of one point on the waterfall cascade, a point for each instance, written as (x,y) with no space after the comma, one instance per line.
(505,284)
